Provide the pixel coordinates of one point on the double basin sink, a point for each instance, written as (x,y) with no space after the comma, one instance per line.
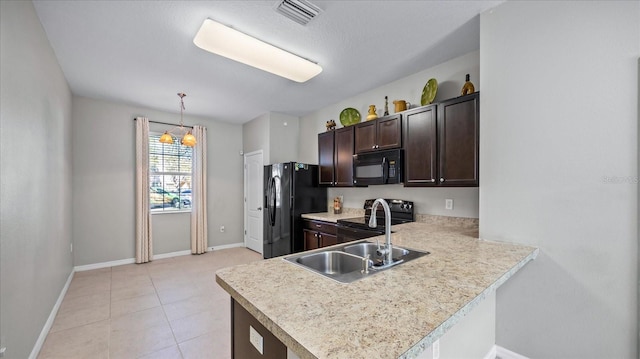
(351,261)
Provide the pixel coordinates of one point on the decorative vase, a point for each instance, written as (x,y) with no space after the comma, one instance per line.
(372,113)
(467,88)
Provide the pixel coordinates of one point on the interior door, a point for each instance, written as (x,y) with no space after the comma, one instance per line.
(253,192)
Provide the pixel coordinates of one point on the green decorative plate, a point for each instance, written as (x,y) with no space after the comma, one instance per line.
(349,116)
(429,92)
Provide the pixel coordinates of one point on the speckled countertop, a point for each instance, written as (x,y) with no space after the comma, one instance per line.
(397,313)
(331,217)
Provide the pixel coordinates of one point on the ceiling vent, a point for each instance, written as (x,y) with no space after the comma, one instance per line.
(300,11)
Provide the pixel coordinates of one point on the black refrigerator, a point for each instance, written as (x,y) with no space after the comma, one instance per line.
(291,189)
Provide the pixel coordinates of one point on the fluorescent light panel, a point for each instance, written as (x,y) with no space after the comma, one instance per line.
(225,41)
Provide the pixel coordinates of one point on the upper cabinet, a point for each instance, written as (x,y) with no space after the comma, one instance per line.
(380,134)
(442,143)
(335,157)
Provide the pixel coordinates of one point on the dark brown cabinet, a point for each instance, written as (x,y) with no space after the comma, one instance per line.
(335,157)
(318,234)
(380,134)
(241,348)
(442,143)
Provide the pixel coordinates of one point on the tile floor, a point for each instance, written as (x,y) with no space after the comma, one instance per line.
(168,308)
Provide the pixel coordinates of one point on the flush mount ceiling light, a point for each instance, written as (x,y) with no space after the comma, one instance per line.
(188,139)
(225,41)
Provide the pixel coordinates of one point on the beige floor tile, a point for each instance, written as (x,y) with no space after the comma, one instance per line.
(171,294)
(130,305)
(196,325)
(88,285)
(125,280)
(129,344)
(83,302)
(93,273)
(132,291)
(187,307)
(80,317)
(211,345)
(135,322)
(130,269)
(88,341)
(167,353)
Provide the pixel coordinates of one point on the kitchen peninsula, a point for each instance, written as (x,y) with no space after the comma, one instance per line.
(397,313)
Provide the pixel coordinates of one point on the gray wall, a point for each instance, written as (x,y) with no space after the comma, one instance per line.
(255,136)
(276,134)
(559,155)
(450,76)
(35,182)
(103,183)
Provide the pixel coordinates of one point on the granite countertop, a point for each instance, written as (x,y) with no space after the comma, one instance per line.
(397,313)
(331,217)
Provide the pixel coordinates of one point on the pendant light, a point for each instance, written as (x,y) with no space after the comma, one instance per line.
(188,139)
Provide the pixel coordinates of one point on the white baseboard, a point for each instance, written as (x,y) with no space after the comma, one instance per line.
(226,246)
(172,254)
(492,353)
(104,264)
(52,317)
(504,353)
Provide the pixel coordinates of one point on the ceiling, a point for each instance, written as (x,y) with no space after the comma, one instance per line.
(142,53)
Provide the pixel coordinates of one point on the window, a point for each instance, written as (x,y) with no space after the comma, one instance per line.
(169,175)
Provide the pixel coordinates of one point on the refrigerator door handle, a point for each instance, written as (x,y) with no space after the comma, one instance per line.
(272,203)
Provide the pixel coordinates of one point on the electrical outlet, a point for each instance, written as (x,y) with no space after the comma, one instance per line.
(448,204)
(436,349)
(222,229)
(256,339)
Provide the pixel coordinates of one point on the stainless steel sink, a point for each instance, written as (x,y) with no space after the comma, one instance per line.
(332,262)
(370,249)
(348,262)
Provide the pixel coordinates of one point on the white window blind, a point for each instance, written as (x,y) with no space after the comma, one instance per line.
(170,173)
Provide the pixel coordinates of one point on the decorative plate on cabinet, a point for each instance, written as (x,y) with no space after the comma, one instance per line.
(429,92)
(349,116)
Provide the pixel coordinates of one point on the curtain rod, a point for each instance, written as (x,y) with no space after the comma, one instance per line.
(166,123)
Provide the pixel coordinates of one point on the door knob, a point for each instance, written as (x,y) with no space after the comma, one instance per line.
(259,208)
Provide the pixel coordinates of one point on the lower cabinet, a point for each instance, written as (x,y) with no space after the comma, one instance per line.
(318,234)
(250,339)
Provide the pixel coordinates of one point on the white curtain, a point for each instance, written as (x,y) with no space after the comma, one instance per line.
(144,248)
(199,192)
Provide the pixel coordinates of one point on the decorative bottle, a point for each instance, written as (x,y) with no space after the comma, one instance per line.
(467,88)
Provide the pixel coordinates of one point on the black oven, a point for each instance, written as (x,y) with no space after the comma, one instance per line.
(351,229)
(381,167)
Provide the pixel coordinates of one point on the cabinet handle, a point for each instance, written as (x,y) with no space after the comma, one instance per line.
(318,226)
(373,147)
(433,180)
(441,179)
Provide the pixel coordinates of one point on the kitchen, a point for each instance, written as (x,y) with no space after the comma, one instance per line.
(541,172)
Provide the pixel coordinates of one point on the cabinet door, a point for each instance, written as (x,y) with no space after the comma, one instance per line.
(389,130)
(326,158)
(365,137)
(420,147)
(327,240)
(344,157)
(241,347)
(458,127)
(311,240)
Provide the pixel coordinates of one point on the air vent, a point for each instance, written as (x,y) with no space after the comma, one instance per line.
(300,11)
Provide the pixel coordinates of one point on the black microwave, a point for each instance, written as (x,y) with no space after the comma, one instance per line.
(380,167)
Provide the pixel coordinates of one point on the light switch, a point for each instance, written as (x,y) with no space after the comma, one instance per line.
(256,339)
(448,204)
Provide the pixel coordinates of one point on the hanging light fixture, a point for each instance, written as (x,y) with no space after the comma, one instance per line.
(188,139)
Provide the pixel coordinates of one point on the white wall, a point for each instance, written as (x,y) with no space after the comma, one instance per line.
(558,170)
(35,181)
(450,76)
(104,184)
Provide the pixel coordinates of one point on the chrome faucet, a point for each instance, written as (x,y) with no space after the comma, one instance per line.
(386,253)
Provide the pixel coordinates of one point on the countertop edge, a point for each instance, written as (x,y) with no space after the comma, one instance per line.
(276,330)
(437,333)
